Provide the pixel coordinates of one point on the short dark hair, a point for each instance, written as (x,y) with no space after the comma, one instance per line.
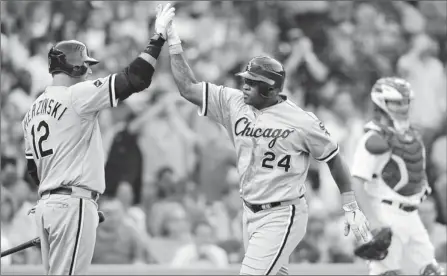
(198,223)
(163,170)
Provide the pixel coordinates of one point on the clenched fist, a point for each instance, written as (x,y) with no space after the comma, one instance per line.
(165,14)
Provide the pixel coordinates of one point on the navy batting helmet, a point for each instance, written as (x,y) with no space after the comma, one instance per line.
(265,69)
(69,57)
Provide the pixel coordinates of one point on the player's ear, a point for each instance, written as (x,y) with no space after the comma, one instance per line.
(272,92)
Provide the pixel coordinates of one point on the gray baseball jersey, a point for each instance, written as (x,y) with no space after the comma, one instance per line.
(62,134)
(273,145)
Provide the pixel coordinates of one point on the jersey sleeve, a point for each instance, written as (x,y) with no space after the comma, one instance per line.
(27,146)
(317,140)
(28,150)
(93,96)
(218,102)
(366,161)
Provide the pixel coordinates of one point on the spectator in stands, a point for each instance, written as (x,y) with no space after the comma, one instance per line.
(439,161)
(425,72)
(37,66)
(124,146)
(225,215)
(6,216)
(193,200)
(20,95)
(436,231)
(203,251)
(173,232)
(339,248)
(118,240)
(21,226)
(132,212)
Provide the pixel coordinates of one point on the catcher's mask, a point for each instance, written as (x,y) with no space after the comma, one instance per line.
(393,96)
(266,70)
(70,57)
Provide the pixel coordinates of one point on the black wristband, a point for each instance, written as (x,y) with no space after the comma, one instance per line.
(155,45)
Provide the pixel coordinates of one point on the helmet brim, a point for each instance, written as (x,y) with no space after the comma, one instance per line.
(255,77)
(91,60)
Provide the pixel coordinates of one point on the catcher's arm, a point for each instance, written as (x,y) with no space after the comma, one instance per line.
(371,151)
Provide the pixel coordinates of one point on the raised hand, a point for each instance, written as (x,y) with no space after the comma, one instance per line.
(165,14)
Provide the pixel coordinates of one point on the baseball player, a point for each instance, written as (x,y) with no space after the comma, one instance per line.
(389,171)
(274,141)
(64,148)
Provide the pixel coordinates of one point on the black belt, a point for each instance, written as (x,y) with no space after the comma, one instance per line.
(259,207)
(68,191)
(405,207)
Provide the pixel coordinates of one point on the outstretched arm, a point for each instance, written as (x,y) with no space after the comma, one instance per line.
(138,75)
(187,84)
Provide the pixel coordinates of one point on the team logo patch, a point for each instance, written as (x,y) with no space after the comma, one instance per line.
(97,83)
(249,67)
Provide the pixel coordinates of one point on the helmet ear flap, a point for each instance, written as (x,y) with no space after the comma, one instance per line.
(79,70)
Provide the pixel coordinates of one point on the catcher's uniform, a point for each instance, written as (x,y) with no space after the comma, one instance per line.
(393,166)
(273,146)
(62,135)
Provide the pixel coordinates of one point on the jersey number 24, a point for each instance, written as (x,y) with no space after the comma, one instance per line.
(270,157)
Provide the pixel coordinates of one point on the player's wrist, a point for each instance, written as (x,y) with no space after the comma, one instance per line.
(175,49)
(175,44)
(349,203)
(155,45)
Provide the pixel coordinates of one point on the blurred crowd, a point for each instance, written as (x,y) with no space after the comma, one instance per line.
(172,192)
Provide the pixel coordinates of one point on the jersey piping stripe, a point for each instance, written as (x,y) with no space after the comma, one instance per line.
(204,109)
(110,91)
(29,156)
(284,240)
(114,99)
(78,237)
(330,155)
(112,95)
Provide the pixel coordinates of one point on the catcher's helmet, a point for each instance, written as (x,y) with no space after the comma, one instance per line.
(69,57)
(392,89)
(265,69)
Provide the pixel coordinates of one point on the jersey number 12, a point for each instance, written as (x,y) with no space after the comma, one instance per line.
(270,156)
(42,138)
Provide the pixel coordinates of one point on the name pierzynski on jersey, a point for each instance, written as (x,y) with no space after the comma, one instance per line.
(242,128)
(45,106)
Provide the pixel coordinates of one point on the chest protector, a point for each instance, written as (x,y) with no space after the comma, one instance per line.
(407,157)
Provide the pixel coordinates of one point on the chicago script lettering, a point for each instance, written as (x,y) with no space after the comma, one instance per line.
(243,128)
